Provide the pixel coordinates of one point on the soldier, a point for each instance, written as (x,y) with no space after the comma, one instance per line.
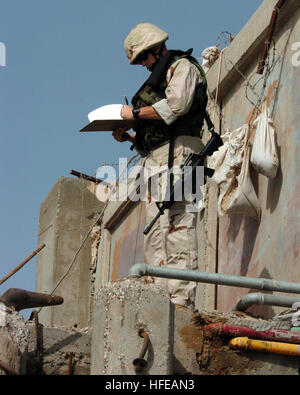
(169,109)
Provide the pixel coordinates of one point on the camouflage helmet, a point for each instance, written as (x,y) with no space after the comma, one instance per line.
(141,38)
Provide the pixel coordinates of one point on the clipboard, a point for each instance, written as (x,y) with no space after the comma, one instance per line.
(106,119)
(107,125)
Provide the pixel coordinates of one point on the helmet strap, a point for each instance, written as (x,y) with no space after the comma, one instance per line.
(157,54)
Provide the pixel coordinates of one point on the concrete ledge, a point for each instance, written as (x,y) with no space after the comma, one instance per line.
(121,309)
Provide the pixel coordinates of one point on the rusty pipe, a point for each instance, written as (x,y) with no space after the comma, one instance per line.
(70,364)
(17,268)
(140,363)
(270,33)
(87,177)
(19,299)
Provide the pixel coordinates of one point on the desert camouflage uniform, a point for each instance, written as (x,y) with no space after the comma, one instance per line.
(172,241)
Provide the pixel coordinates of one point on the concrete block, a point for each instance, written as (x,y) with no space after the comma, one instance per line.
(66,216)
(13,341)
(121,309)
(188,343)
(57,344)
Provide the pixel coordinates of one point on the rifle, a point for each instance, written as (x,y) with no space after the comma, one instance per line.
(192,162)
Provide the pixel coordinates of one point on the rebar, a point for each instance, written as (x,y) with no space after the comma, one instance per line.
(17,268)
(140,363)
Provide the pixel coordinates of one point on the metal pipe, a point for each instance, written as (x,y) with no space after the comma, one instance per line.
(38,341)
(264,299)
(19,299)
(270,33)
(270,334)
(141,269)
(17,268)
(70,364)
(243,343)
(87,177)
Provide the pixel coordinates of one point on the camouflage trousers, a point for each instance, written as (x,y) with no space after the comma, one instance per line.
(172,241)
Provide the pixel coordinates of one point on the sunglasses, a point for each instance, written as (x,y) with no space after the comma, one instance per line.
(142,57)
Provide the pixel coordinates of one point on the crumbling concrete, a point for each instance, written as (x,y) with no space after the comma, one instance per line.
(63,351)
(179,345)
(14,337)
(217,358)
(121,309)
(25,352)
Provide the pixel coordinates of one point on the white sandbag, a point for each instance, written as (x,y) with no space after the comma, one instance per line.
(231,164)
(242,198)
(264,156)
(209,55)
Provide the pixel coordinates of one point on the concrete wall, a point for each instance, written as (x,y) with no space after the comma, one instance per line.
(268,249)
(121,244)
(235,244)
(66,216)
(178,343)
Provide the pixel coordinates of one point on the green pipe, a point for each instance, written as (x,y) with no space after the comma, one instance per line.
(142,269)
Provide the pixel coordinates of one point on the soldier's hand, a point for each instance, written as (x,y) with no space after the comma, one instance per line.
(126,113)
(120,134)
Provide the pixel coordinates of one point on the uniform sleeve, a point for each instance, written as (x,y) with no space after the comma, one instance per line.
(182,79)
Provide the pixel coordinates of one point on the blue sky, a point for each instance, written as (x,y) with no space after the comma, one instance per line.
(64,58)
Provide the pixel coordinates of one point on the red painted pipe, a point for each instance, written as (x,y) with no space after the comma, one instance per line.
(241,331)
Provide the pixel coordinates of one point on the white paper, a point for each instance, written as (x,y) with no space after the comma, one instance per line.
(111,111)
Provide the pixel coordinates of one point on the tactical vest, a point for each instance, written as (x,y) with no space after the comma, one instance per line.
(151,133)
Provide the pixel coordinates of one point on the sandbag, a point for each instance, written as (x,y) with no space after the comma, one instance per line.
(232,175)
(264,156)
(242,199)
(209,55)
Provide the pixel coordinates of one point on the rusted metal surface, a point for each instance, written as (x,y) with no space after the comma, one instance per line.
(270,334)
(19,299)
(70,364)
(7,369)
(86,177)
(140,363)
(269,37)
(38,352)
(17,268)
(127,242)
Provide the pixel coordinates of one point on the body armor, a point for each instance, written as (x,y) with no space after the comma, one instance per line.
(151,134)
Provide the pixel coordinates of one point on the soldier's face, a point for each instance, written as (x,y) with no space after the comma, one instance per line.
(149,61)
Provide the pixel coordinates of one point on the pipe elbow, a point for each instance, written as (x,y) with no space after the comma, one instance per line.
(138,270)
(248,301)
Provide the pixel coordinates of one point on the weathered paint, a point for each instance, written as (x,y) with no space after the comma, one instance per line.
(270,248)
(127,245)
(243,343)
